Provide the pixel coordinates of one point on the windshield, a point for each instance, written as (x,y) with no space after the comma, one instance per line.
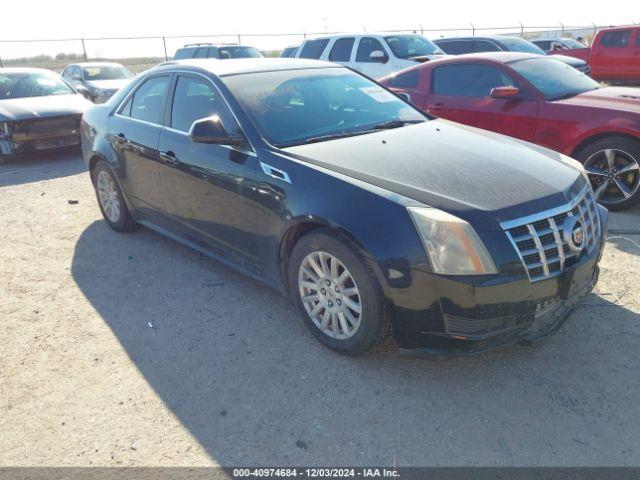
(571,43)
(519,45)
(29,84)
(239,52)
(300,106)
(553,78)
(106,72)
(408,46)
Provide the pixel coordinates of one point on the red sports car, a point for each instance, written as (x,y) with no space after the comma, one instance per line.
(543,101)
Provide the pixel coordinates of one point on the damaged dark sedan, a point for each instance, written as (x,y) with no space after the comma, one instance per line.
(38,111)
(372,216)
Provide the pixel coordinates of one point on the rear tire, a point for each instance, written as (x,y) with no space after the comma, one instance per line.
(613,167)
(337,293)
(110,199)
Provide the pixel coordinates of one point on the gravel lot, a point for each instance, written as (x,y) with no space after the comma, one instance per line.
(133,350)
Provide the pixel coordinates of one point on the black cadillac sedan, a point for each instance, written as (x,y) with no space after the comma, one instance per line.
(371,215)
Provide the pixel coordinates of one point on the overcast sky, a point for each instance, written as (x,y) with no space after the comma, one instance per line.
(65,18)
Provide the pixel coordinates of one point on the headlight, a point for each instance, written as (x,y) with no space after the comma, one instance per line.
(453,246)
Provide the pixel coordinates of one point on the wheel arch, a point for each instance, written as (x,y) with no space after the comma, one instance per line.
(302,227)
(585,142)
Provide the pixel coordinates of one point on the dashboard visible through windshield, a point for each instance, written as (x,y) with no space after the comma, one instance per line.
(302,106)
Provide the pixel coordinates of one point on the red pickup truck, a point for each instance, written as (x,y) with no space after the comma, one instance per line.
(614,54)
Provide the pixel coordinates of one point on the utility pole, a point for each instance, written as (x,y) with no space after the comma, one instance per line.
(84,50)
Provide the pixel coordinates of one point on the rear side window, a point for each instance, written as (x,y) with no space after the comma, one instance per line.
(147,102)
(456,47)
(485,46)
(289,52)
(367,46)
(409,79)
(616,39)
(638,38)
(184,53)
(468,80)
(194,99)
(313,48)
(341,50)
(202,53)
(543,44)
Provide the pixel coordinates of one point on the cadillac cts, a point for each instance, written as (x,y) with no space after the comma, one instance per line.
(372,215)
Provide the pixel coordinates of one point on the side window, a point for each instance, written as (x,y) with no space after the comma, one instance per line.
(457,47)
(485,46)
(468,80)
(637,38)
(341,50)
(195,98)
(409,79)
(147,102)
(366,47)
(615,39)
(184,53)
(202,52)
(544,44)
(313,48)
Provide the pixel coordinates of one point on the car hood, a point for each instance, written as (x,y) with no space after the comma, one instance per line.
(573,61)
(482,177)
(15,109)
(108,84)
(609,98)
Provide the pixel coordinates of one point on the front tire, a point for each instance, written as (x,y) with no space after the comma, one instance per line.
(339,296)
(110,199)
(613,167)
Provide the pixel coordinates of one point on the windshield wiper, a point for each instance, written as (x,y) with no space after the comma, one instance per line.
(334,136)
(394,124)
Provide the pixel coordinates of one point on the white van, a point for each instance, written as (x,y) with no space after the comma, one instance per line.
(375,55)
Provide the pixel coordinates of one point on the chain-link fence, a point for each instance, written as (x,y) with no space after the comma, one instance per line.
(140,53)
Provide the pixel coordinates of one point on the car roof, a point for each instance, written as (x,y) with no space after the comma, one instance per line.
(95,64)
(360,35)
(501,57)
(25,70)
(496,38)
(621,27)
(238,66)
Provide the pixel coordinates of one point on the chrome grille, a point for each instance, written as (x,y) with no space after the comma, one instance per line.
(541,242)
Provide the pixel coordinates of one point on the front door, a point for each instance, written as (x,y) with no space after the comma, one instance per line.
(462,93)
(134,132)
(206,186)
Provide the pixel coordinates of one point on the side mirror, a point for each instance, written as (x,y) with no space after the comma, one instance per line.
(506,93)
(211,130)
(404,96)
(378,56)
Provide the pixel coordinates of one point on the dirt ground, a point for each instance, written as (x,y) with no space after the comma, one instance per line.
(129,349)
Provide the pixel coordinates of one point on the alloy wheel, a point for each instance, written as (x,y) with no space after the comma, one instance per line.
(614,175)
(330,295)
(108,196)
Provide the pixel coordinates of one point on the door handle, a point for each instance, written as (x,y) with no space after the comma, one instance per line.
(169,158)
(436,106)
(121,138)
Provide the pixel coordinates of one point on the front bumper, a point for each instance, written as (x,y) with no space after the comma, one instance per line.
(30,136)
(459,317)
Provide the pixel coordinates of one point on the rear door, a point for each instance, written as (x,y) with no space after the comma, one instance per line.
(462,93)
(634,61)
(207,186)
(611,55)
(341,50)
(134,133)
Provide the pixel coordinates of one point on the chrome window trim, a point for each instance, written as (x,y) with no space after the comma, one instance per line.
(171,72)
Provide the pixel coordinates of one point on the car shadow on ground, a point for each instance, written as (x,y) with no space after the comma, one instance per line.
(45,166)
(233,362)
